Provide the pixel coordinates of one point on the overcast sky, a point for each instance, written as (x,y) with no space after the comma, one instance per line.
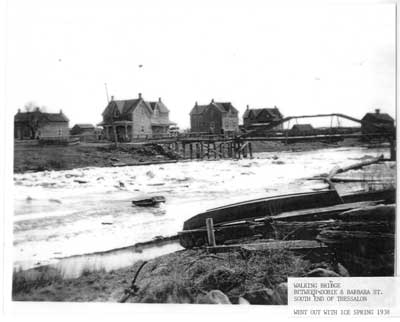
(304,59)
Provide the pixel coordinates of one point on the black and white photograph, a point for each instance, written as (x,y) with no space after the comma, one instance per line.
(198,152)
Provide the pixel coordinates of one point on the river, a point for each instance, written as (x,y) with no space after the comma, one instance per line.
(64,213)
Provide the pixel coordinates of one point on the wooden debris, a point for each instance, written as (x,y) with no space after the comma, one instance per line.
(298,245)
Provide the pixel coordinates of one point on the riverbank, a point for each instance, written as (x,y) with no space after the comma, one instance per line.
(180,277)
(33,158)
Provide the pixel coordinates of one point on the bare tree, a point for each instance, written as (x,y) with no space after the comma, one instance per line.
(32,119)
(30,106)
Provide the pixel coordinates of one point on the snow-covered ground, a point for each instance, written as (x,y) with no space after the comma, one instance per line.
(65,213)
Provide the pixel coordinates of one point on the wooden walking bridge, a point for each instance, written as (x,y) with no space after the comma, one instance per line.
(214,146)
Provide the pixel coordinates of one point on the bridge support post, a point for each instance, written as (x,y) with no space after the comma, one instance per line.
(392,150)
(197,151)
(191,150)
(201,150)
(183,150)
(250,151)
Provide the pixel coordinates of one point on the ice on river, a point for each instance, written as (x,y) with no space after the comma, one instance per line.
(65,213)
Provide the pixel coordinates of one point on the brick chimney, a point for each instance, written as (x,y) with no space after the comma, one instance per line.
(195,104)
(159,99)
(247,107)
(140,95)
(19,110)
(377,111)
(212,101)
(61,111)
(112,97)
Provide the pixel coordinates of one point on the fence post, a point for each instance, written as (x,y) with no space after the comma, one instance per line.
(210,232)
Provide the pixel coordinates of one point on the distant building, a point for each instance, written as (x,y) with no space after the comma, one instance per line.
(86,132)
(37,124)
(216,118)
(82,129)
(125,120)
(261,117)
(377,123)
(301,129)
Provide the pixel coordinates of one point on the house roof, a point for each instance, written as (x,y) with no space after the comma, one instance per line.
(302,127)
(223,107)
(255,112)
(84,126)
(378,117)
(124,106)
(198,109)
(161,106)
(49,117)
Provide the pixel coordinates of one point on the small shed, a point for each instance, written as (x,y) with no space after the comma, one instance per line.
(301,129)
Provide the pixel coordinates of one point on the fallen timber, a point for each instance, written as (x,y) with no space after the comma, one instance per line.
(278,224)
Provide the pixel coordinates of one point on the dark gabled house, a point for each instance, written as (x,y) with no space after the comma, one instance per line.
(37,124)
(215,118)
(125,120)
(377,123)
(261,117)
(301,129)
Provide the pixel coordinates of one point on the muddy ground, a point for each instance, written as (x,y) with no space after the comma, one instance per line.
(32,157)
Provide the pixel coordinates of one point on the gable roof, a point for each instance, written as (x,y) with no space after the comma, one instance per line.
(302,127)
(378,117)
(84,126)
(256,112)
(223,107)
(161,106)
(198,109)
(124,106)
(40,116)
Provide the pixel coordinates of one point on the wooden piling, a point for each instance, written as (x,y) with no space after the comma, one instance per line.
(201,150)
(191,151)
(197,151)
(208,150)
(392,150)
(250,151)
(210,232)
(183,150)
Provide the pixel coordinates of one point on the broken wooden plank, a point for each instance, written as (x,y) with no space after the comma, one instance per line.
(309,230)
(295,245)
(322,213)
(375,213)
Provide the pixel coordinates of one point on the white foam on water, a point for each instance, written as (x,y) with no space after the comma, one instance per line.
(56,216)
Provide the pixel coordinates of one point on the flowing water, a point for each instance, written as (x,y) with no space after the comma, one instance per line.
(61,214)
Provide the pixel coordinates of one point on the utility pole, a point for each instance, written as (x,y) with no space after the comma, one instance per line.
(108,99)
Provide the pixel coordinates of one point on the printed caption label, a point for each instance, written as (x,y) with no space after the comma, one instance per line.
(344,296)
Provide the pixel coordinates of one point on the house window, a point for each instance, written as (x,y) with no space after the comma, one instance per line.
(59,132)
(142,127)
(116,113)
